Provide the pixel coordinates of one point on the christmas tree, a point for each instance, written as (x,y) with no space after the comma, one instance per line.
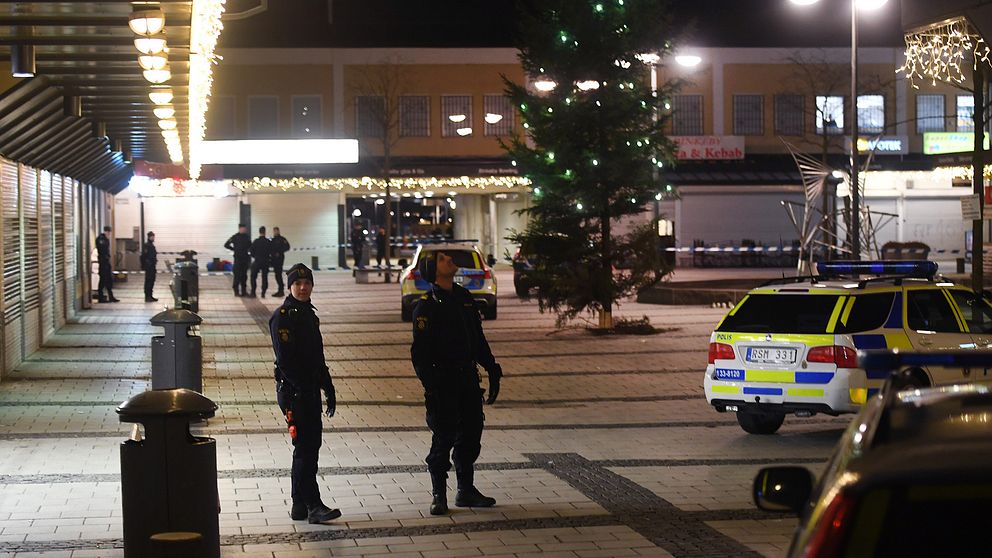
(594,147)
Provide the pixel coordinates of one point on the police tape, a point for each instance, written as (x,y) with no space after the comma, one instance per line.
(787,249)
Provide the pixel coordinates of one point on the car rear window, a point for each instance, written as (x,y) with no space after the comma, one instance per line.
(922,520)
(809,313)
(463,258)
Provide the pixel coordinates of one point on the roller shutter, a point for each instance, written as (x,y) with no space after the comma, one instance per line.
(9,205)
(30,275)
(46,257)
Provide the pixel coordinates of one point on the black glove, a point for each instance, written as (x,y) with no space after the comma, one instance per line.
(332,401)
(495,373)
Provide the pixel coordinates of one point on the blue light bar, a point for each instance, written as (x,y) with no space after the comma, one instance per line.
(909,268)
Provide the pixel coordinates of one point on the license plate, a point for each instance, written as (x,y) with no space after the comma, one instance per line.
(459,279)
(771,355)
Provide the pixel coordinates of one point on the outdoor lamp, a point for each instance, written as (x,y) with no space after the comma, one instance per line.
(22,61)
(153,61)
(161,95)
(158,76)
(150,45)
(146,21)
(164,113)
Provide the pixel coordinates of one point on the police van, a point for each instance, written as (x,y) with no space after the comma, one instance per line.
(474,273)
(790,346)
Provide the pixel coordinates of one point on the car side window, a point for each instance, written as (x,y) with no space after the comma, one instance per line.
(977,313)
(929,310)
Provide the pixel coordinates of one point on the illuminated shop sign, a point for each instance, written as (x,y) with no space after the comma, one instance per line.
(884,145)
(709,147)
(936,143)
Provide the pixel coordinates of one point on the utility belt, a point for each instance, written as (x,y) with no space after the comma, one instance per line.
(471,367)
(286,388)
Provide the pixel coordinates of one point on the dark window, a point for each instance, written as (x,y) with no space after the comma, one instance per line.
(789,115)
(220,118)
(463,258)
(415,116)
(871,114)
(456,116)
(976,311)
(781,313)
(929,310)
(499,115)
(687,115)
(868,312)
(749,115)
(370,117)
(263,117)
(930,114)
(306,117)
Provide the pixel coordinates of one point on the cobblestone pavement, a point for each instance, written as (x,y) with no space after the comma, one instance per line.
(599,446)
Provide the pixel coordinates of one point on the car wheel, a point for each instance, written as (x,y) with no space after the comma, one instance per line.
(406,313)
(760,423)
(490,313)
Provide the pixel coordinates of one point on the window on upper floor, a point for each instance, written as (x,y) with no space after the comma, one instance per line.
(263,117)
(498,115)
(370,118)
(829,114)
(749,115)
(687,115)
(790,115)
(930,114)
(415,116)
(220,118)
(965,113)
(456,116)
(871,114)
(307,117)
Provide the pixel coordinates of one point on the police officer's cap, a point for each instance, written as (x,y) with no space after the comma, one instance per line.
(299,271)
(428,267)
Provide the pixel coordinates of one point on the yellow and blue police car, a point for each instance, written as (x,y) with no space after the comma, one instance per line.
(790,346)
(473,273)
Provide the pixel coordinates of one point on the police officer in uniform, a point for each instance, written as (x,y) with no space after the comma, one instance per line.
(448,345)
(357,243)
(149,259)
(259,251)
(277,257)
(301,374)
(240,243)
(103,266)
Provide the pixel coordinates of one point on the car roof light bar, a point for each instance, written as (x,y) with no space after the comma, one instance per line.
(910,268)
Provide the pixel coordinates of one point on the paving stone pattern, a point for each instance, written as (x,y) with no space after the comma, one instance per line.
(599,446)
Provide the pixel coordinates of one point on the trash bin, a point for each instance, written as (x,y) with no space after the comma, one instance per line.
(366,253)
(186,282)
(177,356)
(169,477)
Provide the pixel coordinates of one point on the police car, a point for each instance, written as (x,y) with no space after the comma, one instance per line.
(473,273)
(790,346)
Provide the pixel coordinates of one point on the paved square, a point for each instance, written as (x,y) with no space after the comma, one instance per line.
(599,446)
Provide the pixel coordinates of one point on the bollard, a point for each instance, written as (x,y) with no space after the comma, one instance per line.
(313,263)
(177,356)
(169,495)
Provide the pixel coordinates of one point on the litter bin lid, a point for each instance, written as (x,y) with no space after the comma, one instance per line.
(176,316)
(166,402)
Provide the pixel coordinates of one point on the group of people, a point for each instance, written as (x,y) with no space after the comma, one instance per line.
(358,245)
(259,255)
(148,259)
(448,347)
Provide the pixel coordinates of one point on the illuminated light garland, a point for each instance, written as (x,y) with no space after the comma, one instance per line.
(205,29)
(368,184)
(937,53)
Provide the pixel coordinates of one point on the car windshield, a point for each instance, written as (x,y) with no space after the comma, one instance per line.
(464,259)
(922,520)
(808,313)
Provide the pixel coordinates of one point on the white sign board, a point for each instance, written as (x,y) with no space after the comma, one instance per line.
(279,152)
(971,209)
(709,147)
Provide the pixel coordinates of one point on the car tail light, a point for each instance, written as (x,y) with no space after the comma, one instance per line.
(413,275)
(843,357)
(828,538)
(721,351)
(488,273)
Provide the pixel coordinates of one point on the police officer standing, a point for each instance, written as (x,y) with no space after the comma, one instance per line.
(103,266)
(277,256)
(357,243)
(240,244)
(301,374)
(260,261)
(448,345)
(149,259)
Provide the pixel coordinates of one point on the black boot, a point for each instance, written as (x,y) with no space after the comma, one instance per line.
(468,496)
(321,514)
(299,512)
(439,488)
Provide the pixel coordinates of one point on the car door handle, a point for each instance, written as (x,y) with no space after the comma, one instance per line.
(926,341)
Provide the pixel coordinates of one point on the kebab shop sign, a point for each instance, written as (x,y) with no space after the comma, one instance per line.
(709,147)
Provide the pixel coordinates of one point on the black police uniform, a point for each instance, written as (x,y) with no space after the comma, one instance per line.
(277,256)
(149,259)
(104,269)
(301,374)
(357,243)
(240,243)
(259,251)
(380,249)
(448,344)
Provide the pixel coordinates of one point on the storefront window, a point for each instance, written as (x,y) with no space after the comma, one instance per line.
(829,114)
(871,114)
(929,113)
(966,113)
(499,115)
(749,115)
(456,116)
(687,115)
(415,121)
(370,118)
(789,111)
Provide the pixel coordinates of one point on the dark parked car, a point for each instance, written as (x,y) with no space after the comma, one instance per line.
(910,476)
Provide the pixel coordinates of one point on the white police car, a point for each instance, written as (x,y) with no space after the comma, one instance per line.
(790,346)
(473,273)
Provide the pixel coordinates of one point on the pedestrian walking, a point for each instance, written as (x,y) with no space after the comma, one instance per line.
(357,241)
(277,257)
(104,268)
(149,260)
(259,251)
(380,247)
(301,374)
(448,346)
(240,243)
